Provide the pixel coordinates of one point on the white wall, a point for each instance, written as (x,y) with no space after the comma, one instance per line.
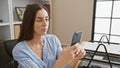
(4,11)
(70,16)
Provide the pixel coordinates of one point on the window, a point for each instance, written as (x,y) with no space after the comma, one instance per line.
(106,20)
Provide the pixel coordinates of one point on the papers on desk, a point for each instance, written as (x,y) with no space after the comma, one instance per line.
(112,48)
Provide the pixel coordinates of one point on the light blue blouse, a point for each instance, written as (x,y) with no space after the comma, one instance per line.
(26,58)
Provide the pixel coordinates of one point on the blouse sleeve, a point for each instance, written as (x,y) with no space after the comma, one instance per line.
(59,47)
(24,61)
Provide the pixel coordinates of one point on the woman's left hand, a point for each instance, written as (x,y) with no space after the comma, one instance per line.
(79,52)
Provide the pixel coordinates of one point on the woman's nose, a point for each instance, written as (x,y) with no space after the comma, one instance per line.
(45,23)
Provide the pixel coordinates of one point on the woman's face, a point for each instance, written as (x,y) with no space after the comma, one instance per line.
(41,22)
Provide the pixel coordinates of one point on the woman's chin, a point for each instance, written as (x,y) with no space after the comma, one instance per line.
(44,33)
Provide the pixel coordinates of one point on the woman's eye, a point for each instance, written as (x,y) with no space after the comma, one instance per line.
(39,20)
(47,19)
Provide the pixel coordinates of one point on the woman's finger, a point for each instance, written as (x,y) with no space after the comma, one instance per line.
(81,54)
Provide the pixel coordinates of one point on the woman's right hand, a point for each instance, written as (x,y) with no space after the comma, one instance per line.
(68,54)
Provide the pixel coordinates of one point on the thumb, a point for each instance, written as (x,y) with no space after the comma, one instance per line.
(73,47)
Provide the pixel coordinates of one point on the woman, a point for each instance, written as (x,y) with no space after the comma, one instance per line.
(37,49)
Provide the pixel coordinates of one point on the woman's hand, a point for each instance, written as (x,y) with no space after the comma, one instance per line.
(68,54)
(71,53)
(79,52)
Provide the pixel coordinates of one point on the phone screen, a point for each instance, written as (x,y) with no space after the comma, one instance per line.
(76,38)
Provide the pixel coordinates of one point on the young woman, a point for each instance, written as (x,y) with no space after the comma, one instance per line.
(37,49)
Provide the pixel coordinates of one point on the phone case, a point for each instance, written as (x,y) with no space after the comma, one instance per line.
(76,38)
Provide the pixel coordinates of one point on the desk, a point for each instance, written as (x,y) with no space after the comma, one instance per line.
(113,50)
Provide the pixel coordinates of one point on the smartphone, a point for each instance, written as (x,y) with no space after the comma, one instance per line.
(76,38)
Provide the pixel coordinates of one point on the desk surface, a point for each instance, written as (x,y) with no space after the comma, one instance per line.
(112,48)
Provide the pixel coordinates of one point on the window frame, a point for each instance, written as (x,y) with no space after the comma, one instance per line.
(111,20)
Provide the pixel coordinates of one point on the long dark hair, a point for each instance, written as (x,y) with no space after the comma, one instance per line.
(27,26)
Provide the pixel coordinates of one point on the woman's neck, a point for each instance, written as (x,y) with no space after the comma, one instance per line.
(37,41)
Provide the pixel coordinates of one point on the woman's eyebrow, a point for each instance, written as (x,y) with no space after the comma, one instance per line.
(41,17)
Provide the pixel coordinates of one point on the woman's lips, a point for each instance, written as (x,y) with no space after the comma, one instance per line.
(45,29)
